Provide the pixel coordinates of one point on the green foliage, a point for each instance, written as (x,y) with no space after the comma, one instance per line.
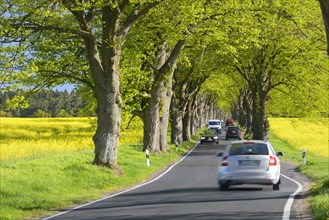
(275,41)
(41,114)
(45,104)
(62,114)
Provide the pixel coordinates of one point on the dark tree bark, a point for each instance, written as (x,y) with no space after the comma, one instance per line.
(324,4)
(106,76)
(201,107)
(165,109)
(247,106)
(151,119)
(176,134)
(194,116)
(152,112)
(187,123)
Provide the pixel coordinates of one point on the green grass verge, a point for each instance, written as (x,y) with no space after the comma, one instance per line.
(317,169)
(36,187)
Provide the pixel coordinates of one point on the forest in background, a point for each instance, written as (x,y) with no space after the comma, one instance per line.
(45,104)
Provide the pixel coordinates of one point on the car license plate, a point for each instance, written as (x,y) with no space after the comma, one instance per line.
(249,162)
(233,132)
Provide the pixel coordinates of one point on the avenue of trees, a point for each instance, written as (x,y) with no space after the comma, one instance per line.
(174,64)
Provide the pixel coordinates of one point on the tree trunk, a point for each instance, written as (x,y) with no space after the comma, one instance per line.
(151,113)
(242,113)
(176,124)
(248,109)
(107,94)
(202,116)
(165,108)
(194,116)
(151,119)
(260,125)
(325,14)
(187,123)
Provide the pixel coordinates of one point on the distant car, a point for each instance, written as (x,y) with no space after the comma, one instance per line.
(209,135)
(229,122)
(249,162)
(215,124)
(233,132)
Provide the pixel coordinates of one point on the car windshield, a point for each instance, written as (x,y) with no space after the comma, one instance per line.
(233,129)
(207,132)
(249,149)
(214,123)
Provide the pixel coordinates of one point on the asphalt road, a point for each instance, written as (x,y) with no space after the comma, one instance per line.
(189,191)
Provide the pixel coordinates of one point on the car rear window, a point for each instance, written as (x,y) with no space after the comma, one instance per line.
(249,149)
(233,128)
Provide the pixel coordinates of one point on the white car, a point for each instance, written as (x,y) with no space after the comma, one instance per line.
(249,162)
(215,124)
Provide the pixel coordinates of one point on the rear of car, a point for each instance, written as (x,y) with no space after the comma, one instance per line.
(233,132)
(249,162)
(229,122)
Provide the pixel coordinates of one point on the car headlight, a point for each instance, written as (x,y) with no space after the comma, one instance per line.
(216,137)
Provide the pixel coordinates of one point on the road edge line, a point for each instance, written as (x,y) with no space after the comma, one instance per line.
(287,207)
(125,191)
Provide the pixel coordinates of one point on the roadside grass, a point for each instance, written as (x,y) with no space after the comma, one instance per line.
(37,185)
(317,167)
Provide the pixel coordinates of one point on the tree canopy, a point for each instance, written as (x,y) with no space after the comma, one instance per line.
(169,62)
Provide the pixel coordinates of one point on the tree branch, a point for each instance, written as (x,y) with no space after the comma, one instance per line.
(137,13)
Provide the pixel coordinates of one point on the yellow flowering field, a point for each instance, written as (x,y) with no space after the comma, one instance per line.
(28,137)
(25,137)
(303,133)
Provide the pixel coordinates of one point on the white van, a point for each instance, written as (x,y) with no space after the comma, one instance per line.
(215,124)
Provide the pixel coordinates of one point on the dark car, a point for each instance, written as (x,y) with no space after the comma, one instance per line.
(209,135)
(233,132)
(230,122)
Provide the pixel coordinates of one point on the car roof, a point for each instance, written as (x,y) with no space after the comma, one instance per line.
(249,141)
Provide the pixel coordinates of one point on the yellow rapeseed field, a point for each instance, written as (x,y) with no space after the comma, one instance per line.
(28,137)
(25,137)
(303,133)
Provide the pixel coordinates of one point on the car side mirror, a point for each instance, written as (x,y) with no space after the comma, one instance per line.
(279,154)
(219,154)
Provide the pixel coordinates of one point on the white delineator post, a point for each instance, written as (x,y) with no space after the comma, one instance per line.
(304,156)
(147,157)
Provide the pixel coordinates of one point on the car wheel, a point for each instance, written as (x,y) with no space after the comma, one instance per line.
(223,187)
(277,185)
